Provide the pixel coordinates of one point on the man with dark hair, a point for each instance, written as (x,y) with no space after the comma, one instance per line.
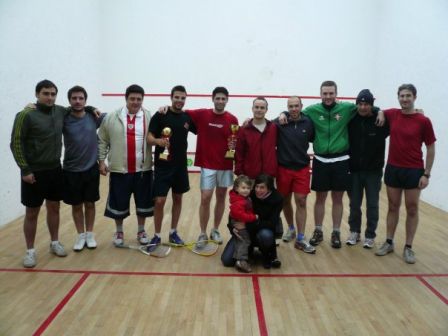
(170,169)
(406,172)
(367,146)
(80,168)
(36,143)
(214,131)
(122,139)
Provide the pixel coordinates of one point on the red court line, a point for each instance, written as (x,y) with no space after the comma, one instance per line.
(259,306)
(224,275)
(255,283)
(433,290)
(203,95)
(61,305)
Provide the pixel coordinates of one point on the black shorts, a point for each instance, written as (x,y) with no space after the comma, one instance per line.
(80,187)
(48,186)
(170,177)
(333,176)
(122,186)
(402,178)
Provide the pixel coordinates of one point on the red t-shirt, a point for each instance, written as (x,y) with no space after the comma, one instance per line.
(407,134)
(213,136)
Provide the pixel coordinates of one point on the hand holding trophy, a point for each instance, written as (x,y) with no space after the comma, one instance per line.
(230,154)
(166,134)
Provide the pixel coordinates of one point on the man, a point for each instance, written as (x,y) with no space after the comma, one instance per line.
(256,144)
(171,171)
(36,143)
(293,175)
(214,132)
(80,168)
(122,138)
(406,172)
(367,146)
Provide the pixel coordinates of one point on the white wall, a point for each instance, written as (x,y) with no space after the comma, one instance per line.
(251,47)
(412,48)
(56,40)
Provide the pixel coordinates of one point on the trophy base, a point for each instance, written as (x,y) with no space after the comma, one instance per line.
(163,156)
(230,154)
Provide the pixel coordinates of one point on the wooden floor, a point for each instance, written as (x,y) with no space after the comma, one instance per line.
(111,291)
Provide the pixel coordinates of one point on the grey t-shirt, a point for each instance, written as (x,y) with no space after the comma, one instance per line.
(80,142)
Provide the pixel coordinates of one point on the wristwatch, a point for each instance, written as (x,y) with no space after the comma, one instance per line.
(427,175)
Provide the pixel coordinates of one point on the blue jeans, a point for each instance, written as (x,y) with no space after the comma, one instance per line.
(370,182)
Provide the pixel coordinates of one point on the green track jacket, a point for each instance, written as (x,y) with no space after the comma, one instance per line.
(330,126)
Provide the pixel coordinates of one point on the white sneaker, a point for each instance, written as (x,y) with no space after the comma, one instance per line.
(142,238)
(80,242)
(304,246)
(118,239)
(30,260)
(353,239)
(408,255)
(386,248)
(90,240)
(202,241)
(216,236)
(57,249)
(289,235)
(369,243)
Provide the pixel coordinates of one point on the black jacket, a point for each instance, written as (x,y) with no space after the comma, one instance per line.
(367,143)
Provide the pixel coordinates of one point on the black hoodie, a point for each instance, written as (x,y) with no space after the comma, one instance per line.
(367,143)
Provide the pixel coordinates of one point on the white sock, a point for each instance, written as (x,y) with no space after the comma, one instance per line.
(31,251)
(172,231)
(54,242)
(319,227)
(157,234)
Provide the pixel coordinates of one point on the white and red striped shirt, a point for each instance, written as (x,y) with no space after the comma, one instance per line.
(135,139)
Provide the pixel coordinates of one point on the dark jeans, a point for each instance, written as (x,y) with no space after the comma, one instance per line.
(370,182)
(264,239)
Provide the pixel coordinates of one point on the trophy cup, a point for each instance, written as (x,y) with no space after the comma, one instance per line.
(166,133)
(230,154)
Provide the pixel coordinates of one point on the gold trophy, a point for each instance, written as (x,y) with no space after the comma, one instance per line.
(166,134)
(230,154)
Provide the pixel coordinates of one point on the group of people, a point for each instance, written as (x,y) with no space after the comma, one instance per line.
(348,142)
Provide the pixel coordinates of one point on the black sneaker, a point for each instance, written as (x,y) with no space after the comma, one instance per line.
(317,237)
(276,263)
(336,239)
(267,263)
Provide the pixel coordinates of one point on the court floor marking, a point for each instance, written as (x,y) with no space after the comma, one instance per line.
(255,285)
(39,331)
(259,306)
(433,290)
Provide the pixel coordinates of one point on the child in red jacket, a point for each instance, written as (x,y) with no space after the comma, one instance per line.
(241,213)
